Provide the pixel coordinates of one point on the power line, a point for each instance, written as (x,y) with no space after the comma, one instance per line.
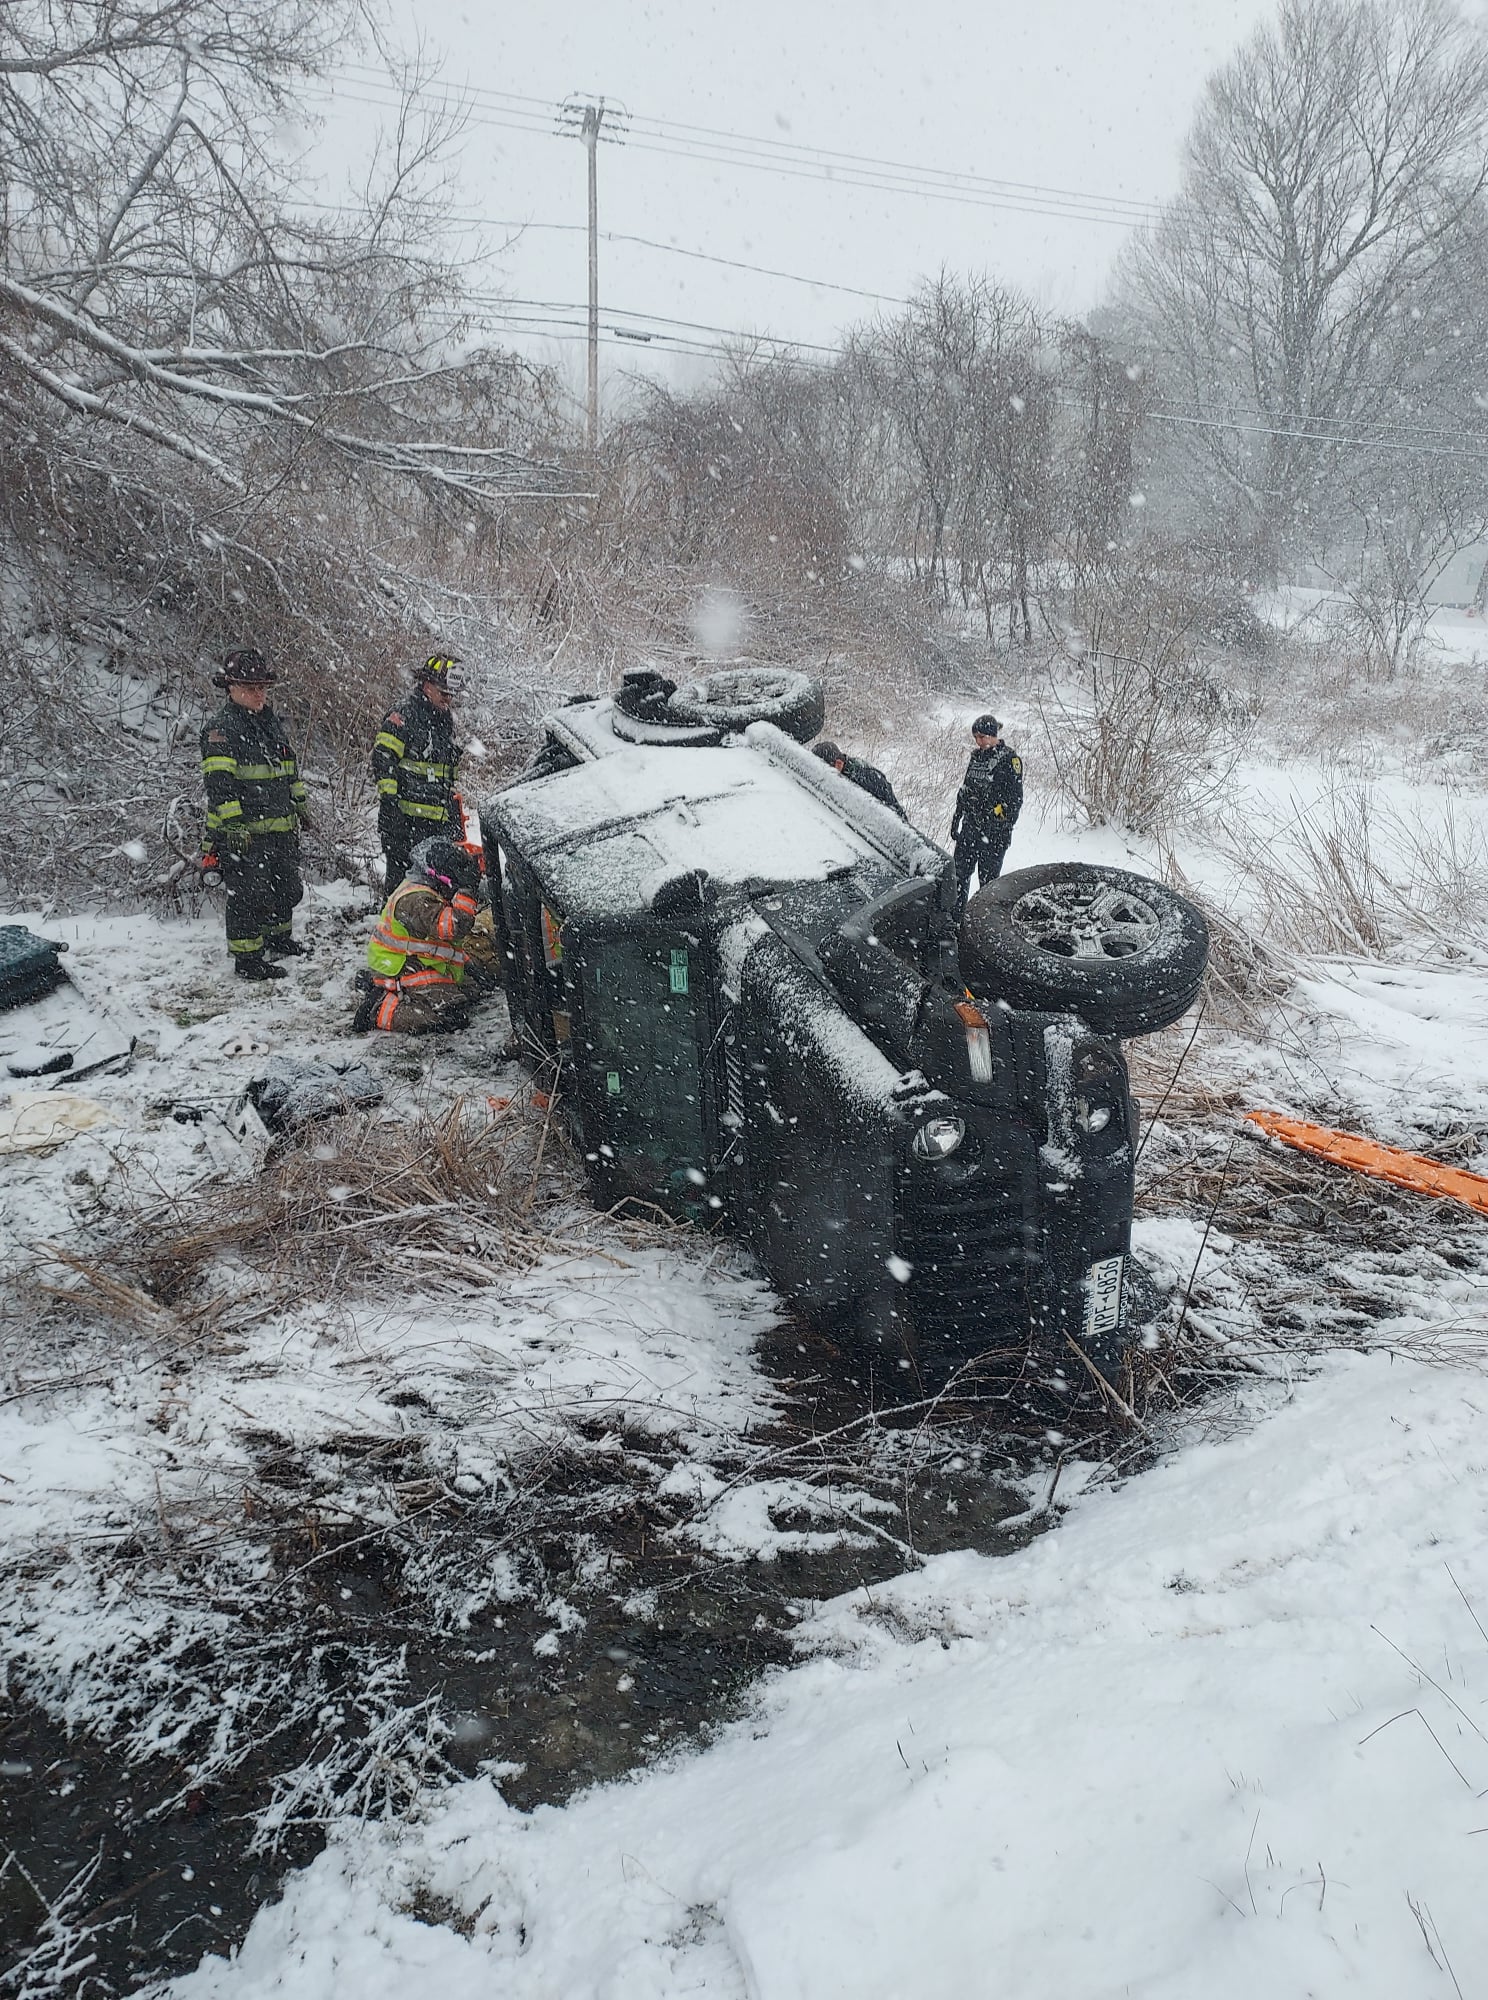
(573,331)
(968,193)
(646,242)
(515,104)
(736,264)
(659,319)
(1399,442)
(936,183)
(1394,437)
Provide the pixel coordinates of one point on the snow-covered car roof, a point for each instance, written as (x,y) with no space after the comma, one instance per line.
(605,834)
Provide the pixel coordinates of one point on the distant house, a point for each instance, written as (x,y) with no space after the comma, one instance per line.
(1461,586)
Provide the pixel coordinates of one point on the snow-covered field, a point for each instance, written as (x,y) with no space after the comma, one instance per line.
(1222,1732)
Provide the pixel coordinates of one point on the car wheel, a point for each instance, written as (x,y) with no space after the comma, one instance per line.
(1124,953)
(677,735)
(736,696)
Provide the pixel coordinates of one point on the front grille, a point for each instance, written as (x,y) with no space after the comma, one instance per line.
(972,1251)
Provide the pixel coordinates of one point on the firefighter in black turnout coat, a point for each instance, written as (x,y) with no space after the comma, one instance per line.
(255,810)
(415,764)
(987,807)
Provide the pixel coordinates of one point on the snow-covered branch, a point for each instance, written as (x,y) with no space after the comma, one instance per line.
(161,277)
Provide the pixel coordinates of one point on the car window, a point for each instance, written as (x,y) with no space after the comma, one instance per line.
(640,1047)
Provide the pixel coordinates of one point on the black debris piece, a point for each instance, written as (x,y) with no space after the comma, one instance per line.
(297,1090)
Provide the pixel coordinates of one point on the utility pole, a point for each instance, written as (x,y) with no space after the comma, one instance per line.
(590,120)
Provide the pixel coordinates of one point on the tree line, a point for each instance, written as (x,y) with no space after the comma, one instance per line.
(228,411)
(1289,367)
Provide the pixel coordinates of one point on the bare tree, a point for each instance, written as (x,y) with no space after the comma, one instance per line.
(1333,169)
(1414,516)
(1106,395)
(163,279)
(225,409)
(965,381)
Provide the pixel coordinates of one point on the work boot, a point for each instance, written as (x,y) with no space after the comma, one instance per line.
(253,965)
(365,1018)
(286,947)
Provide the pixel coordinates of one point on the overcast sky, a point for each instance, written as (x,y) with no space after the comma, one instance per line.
(1085,98)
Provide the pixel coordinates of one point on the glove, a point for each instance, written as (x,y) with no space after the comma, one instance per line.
(307,825)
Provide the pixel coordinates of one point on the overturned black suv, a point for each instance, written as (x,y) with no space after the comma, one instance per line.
(749,976)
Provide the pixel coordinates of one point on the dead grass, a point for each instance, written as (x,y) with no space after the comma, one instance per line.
(1312,1258)
(454,1196)
(1142,740)
(1347,876)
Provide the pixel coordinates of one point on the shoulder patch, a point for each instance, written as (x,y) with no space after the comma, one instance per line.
(1018,765)
(395,719)
(216,736)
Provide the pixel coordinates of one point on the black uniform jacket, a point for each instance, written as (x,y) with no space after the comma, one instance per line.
(873,782)
(991,796)
(415,761)
(252,778)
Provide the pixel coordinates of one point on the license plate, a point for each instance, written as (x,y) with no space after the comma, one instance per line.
(1103,1296)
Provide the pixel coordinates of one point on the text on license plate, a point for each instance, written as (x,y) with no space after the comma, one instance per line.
(1103,1295)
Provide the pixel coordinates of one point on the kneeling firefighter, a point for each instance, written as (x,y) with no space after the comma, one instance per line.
(416,965)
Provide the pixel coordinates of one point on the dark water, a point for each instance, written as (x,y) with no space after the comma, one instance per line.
(173,1884)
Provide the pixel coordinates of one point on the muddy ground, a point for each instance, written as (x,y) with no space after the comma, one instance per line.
(149,1877)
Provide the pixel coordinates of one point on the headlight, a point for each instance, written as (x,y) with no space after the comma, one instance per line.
(938,1138)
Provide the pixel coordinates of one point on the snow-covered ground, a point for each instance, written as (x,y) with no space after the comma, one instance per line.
(1224,1731)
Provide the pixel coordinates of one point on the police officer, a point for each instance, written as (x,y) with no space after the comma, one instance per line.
(415,764)
(255,810)
(868,776)
(987,807)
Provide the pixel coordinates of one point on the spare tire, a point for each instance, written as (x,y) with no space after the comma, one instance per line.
(734,697)
(679,735)
(1124,953)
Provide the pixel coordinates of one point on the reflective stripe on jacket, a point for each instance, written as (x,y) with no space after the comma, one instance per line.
(414,941)
(415,760)
(251,774)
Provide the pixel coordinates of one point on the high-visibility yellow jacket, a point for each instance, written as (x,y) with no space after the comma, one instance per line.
(416,943)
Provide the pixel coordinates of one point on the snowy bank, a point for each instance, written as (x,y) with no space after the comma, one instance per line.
(1224,1734)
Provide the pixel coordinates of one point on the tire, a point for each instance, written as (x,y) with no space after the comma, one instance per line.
(736,696)
(1126,954)
(677,735)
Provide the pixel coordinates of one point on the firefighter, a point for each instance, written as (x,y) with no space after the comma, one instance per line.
(987,807)
(255,812)
(415,763)
(416,965)
(872,780)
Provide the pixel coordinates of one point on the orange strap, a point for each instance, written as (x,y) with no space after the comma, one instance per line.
(411,981)
(386,1009)
(1383,1163)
